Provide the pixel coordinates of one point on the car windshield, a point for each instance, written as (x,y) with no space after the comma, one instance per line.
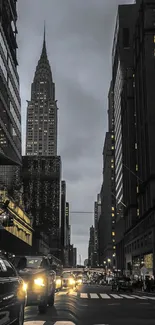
(66,275)
(33,262)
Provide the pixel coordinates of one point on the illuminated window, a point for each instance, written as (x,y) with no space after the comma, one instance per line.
(133,75)
(137,212)
(112,160)
(154,39)
(114,247)
(112,166)
(112,136)
(113,240)
(113,233)
(113,209)
(112,148)
(113,214)
(136,168)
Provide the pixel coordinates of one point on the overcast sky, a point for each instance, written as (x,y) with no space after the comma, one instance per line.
(79,42)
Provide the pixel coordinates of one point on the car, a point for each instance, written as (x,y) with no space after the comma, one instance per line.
(40,280)
(122,283)
(12,294)
(68,280)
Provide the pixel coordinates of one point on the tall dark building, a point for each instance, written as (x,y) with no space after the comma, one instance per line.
(140,156)
(91,247)
(63,218)
(106,228)
(10,112)
(41,165)
(97,213)
(122,60)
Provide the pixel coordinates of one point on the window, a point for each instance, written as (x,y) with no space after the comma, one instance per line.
(113,233)
(6,269)
(2,65)
(154,38)
(113,214)
(136,168)
(112,136)
(112,208)
(137,189)
(112,148)
(3,45)
(112,166)
(13,74)
(135,145)
(137,212)
(126,38)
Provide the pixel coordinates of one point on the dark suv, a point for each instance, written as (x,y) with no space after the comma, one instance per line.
(40,280)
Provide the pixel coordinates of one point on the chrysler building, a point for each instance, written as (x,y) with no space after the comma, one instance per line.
(41,133)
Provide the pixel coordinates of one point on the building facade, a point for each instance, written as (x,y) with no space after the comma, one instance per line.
(10,112)
(91,246)
(122,59)
(97,213)
(140,233)
(17,237)
(106,225)
(42,194)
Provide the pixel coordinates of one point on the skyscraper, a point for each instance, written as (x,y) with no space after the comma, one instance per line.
(10,112)
(41,165)
(41,137)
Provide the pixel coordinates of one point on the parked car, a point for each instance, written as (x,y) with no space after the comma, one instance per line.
(12,294)
(40,279)
(122,283)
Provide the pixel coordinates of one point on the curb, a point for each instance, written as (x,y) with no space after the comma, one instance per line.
(150,293)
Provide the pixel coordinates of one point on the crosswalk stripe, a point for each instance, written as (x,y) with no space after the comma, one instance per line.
(147,297)
(139,297)
(116,296)
(104,296)
(94,295)
(127,297)
(83,295)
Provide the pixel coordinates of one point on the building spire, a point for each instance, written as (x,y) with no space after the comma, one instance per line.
(44,51)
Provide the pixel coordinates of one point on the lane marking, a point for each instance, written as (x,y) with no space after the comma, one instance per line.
(83,295)
(104,296)
(127,297)
(116,296)
(94,295)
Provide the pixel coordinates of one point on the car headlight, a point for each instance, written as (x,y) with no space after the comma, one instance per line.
(25,287)
(58,282)
(71,281)
(39,282)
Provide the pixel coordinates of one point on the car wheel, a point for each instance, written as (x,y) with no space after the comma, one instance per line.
(42,308)
(20,319)
(51,300)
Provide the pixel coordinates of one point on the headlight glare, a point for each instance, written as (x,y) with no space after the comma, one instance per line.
(71,281)
(39,282)
(25,287)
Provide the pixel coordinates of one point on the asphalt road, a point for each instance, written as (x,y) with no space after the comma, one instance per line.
(94,305)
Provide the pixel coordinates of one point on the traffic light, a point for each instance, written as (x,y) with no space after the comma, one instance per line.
(7,221)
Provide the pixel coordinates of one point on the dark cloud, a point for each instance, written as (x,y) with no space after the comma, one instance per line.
(79,41)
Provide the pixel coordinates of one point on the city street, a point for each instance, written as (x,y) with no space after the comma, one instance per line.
(93,304)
